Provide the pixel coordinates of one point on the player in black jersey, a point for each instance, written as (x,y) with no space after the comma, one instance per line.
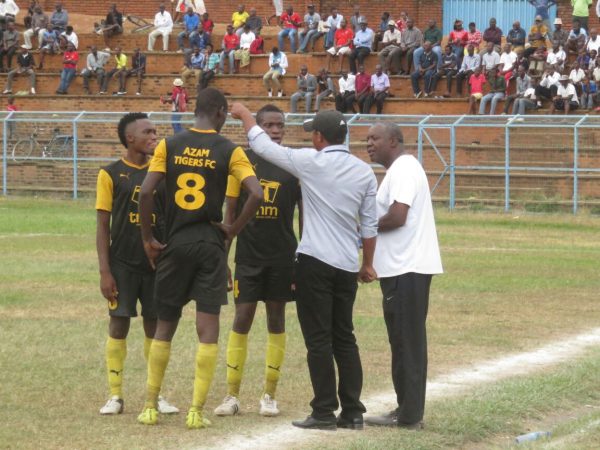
(264,260)
(195,165)
(125,274)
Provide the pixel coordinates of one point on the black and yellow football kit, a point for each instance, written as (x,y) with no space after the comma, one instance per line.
(196,164)
(118,190)
(266,246)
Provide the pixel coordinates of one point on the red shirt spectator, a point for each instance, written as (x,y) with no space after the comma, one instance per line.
(232,41)
(73,57)
(362,82)
(476,82)
(474,38)
(401,25)
(258,46)
(290,21)
(460,36)
(208,25)
(343,36)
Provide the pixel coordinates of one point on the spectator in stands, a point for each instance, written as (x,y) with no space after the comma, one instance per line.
(113,24)
(49,44)
(210,67)
(556,57)
(593,42)
(581,12)
(362,84)
(559,36)
(434,35)
(537,36)
(523,82)
(379,90)
(390,42)
(179,99)
(254,21)
(277,66)
(10,45)
(476,82)
(577,38)
(238,19)
(290,22)
(526,101)
(242,54)
(311,29)
(507,67)
(119,71)
(163,26)
(448,69)
(458,39)
(68,36)
(363,42)
(343,42)
(307,85)
(425,68)
(332,24)
(8,12)
(566,97)
(470,62)
(516,36)
(181,9)
(537,61)
(381,29)
(191,21)
(257,47)
(493,34)
(588,94)
(193,65)
(325,87)
(583,59)
(410,40)
(401,22)
(355,19)
(541,9)
(231,42)
(59,18)
(344,100)
(201,38)
(207,25)
(548,85)
(39,23)
(278,5)
(138,69)
(474,38)
(490,58)
(95,63)
(593,56)
(577,77)
(70,60)
(25,66)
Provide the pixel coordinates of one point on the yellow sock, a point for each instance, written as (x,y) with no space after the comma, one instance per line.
(158,358)
(116,351)
(147,344)
(237,348)
(274,360)
(206,360)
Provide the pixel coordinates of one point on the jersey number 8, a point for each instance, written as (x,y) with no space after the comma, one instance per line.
(189,196)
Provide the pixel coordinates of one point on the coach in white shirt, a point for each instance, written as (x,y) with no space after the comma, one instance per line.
(406,258)
(163,25)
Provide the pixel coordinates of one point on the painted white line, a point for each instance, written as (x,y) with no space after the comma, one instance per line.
(454,383)
(34,235)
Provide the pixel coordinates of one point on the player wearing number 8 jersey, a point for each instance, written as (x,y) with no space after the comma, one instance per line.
(195,165)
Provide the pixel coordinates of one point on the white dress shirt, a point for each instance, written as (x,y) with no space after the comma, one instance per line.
(163,21)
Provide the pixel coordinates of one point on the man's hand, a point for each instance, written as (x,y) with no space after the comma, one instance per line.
(367,274)
(238,110)
(108,286)
(228,232)
(153,249)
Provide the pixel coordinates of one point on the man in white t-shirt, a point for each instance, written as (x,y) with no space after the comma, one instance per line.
(593,42)
(406,257)
(566,97)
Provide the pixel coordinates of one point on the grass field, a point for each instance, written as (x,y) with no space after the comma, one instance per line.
(512,284)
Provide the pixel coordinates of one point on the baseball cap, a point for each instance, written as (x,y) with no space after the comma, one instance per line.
(331,124)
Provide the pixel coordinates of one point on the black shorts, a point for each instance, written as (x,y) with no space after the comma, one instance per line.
(133,286)
(266,283)
(193,271)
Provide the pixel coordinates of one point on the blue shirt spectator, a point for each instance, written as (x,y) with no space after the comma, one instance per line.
(364,38)
(542,7)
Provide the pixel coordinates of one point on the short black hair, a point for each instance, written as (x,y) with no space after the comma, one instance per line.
(126,120)
(209,101)
(268,108)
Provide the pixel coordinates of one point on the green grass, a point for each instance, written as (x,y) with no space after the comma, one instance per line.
(511,284)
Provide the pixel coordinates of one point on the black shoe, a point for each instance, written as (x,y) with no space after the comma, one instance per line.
(310,423)
(350,424)
(391,420)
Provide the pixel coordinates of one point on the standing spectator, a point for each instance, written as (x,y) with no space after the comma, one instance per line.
(491,58)
(311,29)
(278,5)
(113,25)
(26,66)
(307,85)
(325,87)
(390,42)
(556,57)
(497,91)
(119,71)
(68,36)
(290,22)
(458,39)
(362,83)
(448,68)
(231,42)
(363,41)
(254,21)
(191,21)
(537,36)
(559,36)
(342,46)
(277,66)
(470,62)
(192,68)
(581,12)
(427,69)
(410,41)
(516,36)
(523,83)
(434,35)
(405,261)
(355,19)
(577,38)
(70,60)
(210,67)
(49,44)
(10,44)
(163,26)
(476,82)
(332,24)
(242,55)
(548,85)
(541,9)
(59,18)
(181,9)
(95,63)
(207,25)
(493,34)
(179,99)
(344,100)
(238,19)
(380,87)
(138,68)
(474,38)
(380,32)
(508,59)
(566,97)
(39,23)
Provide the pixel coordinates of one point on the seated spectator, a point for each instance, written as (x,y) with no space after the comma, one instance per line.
(470,62)
(362,83)
(583,59)
(119,71)
(526,101)
(181,9)
(8,12)
(516,36)
(49,45)
(343,42)
(379,90)
(210,66)
(548,85)
(307,85)
(193,65)
(389,43)
(138,68)
(521,60)
(191,21)
(238,19)
(593,42)
(290,22)
(458,39)
(242,54)
(508,59)
(401,23)
(595,73)
(380,32)
(344,100)
(566,98)
(523,83)
(258,45)
(577,38)
(163,26)
(325,87)
(476,82)
(39,23)
(277,66)
(448,69)
(310,31)
(254,21)
(559,36)
(332,24)
(68,36)
(493,35)
(95,63)
(10,45)
(59,18)
(25,66)
(231,42)
(200,39)
(434,35)
(427,68)
(556,57)
(577,77)
(474,38)
(410,41)
(70,60)
(593,56)
(355,19)
(490,58)
(207,25)
(113,24)
(537,61)
(363,42)
(537,36)
(588,93)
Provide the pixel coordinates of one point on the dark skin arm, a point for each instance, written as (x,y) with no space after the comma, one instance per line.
(230,209)
(152,247)
(108,285)
(367,273)
(255,196)
(394,218)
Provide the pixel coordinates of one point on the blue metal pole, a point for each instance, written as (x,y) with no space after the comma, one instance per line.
(75,144)
(420,139)
(452,167)
(349,122)
(506,169)
(5,153)
(576,165)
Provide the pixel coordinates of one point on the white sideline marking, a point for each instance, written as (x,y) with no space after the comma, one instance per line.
(454,383)
(30,235)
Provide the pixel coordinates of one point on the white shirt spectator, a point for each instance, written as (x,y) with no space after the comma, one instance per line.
(347,85)
(9,7)
(246,39)
(596,74)
(490,60)
(577,75)
(334,22)
(593,44)
(72,38)
(550,80)
(508,60)
(556,58)
(566,91)
(529,93)
(392,36)
(281,59)
(163,21)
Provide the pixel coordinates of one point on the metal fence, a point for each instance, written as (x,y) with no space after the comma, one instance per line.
(492,160)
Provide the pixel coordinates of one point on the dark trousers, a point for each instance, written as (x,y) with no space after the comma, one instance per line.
(548,93)
(460,78)
(448,73)
(207,75)
(359,53)
(9,56)
(362,102)
(377,98)
(345,101)
(405,304)
(325,299)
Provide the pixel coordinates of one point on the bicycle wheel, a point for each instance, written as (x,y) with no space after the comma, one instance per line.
(23,148)
(60,147)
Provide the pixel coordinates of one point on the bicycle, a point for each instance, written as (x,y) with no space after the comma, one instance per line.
(140,23)
(60,146)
